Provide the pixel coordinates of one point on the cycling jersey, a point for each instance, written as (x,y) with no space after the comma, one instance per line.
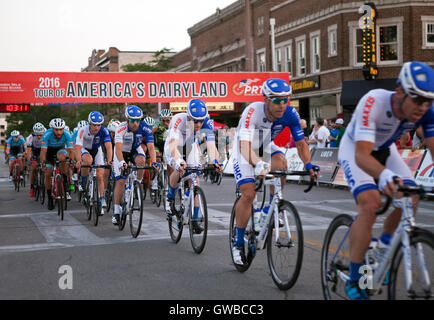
(374,121)
(50,141)
(74,137)
(11,143)
(91,142)
(132,140)
(35,144)
(179,130)
(160,135)
(255,127)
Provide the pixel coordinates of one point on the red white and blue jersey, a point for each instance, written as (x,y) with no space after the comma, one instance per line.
(132,140)
(92,142)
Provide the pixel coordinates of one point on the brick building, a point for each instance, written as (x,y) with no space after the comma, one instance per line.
(318,42)
(113,59)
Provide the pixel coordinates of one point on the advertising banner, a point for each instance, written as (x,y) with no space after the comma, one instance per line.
(339,179)
(412,158)
(294,163)
(106,87)
(425,175)
(327,159)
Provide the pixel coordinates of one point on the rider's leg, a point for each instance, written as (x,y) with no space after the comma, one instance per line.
(243,210)
(140,161)
(368,202)
(278,162)
(86,159)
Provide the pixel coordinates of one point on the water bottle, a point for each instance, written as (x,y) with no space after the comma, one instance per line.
(382,247)
(127,193)
(263,218)
(185,202)
(256,218)
(371,254)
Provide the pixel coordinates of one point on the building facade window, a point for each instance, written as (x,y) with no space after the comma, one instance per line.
(288,59)
(315,52)
(332,40)
(301,56)
(389,42)
(261,61)
(260,27)
(427,32)
(279,60)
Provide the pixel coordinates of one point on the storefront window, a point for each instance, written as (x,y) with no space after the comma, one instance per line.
(388,37)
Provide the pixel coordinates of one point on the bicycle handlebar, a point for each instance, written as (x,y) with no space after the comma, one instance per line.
(407,190)
(284,173)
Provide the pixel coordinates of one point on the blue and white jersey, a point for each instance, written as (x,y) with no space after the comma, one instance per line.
(33,141)
(74,137)
(179,130)
(13,144)
(132,140)
(254,123)
(374,121)
(50,141)
(89,141)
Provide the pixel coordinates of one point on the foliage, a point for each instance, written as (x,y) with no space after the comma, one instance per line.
(161,62)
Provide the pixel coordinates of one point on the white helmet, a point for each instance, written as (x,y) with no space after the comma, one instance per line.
(417,79)
(82,124)
(149,121)
(113,126)
(38,128)
(67,129)
(15,133)
(57,123)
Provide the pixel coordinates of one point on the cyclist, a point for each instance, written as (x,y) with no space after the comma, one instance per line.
(368,153)
(128,139)
(34,143)
(260,124)
(88,151)
(15,148)
(184,130)
(53,146)
(152,124)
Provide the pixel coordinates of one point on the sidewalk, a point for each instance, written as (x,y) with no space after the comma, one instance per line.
(4,169)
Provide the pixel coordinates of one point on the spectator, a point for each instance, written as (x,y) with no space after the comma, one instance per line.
(322,134)
(334,131)
(340,126)
(312,141)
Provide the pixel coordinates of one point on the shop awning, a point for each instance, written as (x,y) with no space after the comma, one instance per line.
(353,90)
(218,125)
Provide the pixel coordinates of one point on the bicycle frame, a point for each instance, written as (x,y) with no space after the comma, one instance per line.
(401,235)
(188,212)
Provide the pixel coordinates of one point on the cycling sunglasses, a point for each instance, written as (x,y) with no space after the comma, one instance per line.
(195,121)
(134,120)
(421,100)
(279,100)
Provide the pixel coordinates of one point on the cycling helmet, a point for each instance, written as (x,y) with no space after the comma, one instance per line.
(113,126)
(15,133)
(276,87)
(417,79)
(57,123)
(133,112)
(75,129)
(149,121)
(197,110)
(67,129)
(165,113)
(95,117)
(82,124)
(113,120)
(38,128)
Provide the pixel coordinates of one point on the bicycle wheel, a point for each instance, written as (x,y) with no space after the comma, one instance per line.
(123,218)
(16,176)
(285,254)
(422,254)
(176,224)
(42,188)
(59,196)
(249,239)
(37,187)
(109,193)
(136,210)
(335,257)
(219,179)
(94,207)
(165,189)
(199,225)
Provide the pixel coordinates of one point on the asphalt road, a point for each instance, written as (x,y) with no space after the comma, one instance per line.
(104,263)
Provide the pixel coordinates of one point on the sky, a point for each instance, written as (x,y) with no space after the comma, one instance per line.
(59,35)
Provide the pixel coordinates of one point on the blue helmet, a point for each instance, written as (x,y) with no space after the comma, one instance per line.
(197,110)
(417,79)
(133,112)
(276,87)
(95,117)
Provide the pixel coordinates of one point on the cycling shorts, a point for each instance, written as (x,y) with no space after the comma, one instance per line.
(96,154)
(358,180)
(128,157)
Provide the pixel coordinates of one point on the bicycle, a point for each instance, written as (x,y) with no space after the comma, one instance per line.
(261,192)
(183,211)
(39,185)
(408,239)
(91,193)
(110,189)
(58,191)
(280,232)
(132,200)
(16,175)
(163,186)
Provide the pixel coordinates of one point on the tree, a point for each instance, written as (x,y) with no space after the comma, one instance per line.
(161,62)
